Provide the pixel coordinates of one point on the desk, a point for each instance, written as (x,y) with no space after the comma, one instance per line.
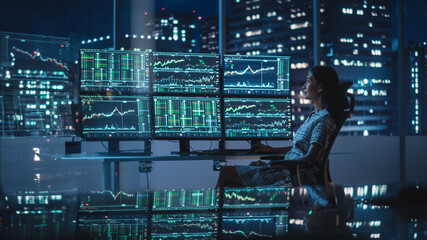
(111,162)
(112,182)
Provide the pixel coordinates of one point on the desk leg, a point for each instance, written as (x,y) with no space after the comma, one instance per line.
(116,179)
(107,175)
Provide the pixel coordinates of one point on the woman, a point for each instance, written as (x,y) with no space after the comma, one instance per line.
(322,88)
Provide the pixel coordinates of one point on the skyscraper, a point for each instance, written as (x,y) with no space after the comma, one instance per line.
(209,35)
(355,39)
(162,32)
(416,89)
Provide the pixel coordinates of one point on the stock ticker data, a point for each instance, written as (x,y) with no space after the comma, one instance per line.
(255,224)
(112,70)
(256,75)
(109,117)
(258,118)
(201,225)
(108,215)
(182,199)
(36,90)
(265,197)
(191,117)
(186,73)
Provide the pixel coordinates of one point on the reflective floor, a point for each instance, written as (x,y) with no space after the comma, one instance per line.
(309,212)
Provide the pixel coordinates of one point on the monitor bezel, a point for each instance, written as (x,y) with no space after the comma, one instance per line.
(156,137)
(254,57)
(139,137)
(252,137)
(153,90)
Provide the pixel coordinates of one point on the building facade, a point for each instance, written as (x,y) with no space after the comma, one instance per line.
(416,89)
(209,35)
(355,39)
(162,32)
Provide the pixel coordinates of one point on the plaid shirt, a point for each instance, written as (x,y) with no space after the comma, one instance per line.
(316,129)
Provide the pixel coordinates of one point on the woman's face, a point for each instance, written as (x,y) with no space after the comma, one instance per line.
(311,89)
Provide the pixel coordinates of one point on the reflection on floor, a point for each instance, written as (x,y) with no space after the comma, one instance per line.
(353,212)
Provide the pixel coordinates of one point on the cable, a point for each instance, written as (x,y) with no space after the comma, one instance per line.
(104,145)
(210,147)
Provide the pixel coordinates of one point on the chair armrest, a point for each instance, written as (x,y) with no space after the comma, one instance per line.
(292,163)
(272,157)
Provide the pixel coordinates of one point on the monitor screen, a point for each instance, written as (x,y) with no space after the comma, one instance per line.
(184,225)
(256,197)
(108,117)
(108,215)
(186,73)
(255,224)
(185,199)
(112,70)
(256,75)
(36,95)
(187,117)
(262,118)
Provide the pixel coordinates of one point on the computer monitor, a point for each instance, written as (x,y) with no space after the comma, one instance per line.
(187,117)
(256,75)
(114,71)
(184,225)
(255,224)
(108,215)
(256,197)
(257,118)
(115,117)
(185,73)
(196,199)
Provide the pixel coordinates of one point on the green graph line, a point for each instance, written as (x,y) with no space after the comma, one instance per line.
(239,108)
(168,62)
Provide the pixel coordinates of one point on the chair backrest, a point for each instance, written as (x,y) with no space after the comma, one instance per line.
(323,176)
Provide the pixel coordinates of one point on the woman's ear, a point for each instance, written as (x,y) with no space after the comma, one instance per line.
(320,88)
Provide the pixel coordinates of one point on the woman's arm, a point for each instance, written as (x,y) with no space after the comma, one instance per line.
(261,148)
(312,155)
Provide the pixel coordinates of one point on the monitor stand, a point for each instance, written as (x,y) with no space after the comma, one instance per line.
(184,146)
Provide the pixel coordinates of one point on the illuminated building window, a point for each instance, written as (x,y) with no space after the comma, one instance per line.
(299,25)
(347,10)
(253,33)
(359,12)
(376,52)
(346,40)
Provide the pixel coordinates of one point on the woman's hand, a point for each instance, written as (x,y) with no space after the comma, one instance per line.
(261,148)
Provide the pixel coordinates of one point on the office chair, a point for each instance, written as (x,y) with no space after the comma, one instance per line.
(321,175)
(339,208)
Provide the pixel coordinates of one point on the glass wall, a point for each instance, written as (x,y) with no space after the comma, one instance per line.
(40,105)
